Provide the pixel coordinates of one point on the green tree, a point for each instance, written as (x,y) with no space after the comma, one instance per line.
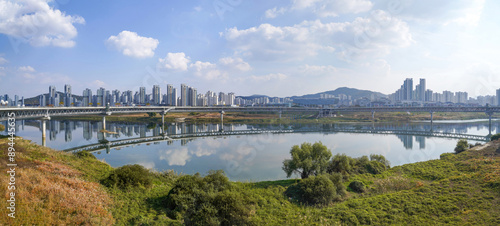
(308,159)
(341,163)
(129,175)
(317,190)
(495,137)
(462,145)
(151,114)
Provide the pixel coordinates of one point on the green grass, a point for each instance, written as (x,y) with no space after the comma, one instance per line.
(460,189)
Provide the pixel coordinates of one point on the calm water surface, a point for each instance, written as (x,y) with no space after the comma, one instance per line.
(250,157)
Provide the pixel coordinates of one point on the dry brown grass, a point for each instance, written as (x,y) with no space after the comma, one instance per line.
(52,193)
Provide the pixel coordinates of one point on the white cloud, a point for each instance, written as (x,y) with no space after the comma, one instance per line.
(38,23)
(377,34)
(442,12)
(131,44)
(323,8)
(329,8)
(3,60)
(206,70)
(98,83)
(274,12)
(28,69)
(268,77)
(174,61)
(235,63)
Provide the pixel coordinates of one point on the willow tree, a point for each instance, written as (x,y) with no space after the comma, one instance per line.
(307,159)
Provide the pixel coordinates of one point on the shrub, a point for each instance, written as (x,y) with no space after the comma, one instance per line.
(84,154)
(2,127)
(337,181)
(318,190)
(207,201)
(341,163)
(462,145)
(495,137)
(381,159)
(129,176)
(375,167)
(357,186)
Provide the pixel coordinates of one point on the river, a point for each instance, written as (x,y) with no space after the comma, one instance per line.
(253,157)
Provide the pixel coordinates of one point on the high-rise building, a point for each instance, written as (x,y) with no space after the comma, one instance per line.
(420,90)
(87,97)
(142,95)
(68,100)
(174,97)
(52,95)
(408,89)
(230,98)
(192,95)
(498,97)
(101,93)
(169,100)
(184,95)
(156,95)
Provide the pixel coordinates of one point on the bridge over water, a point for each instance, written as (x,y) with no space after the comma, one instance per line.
(107,145)
(44,113)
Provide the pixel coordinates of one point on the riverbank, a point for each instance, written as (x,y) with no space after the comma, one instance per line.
(62,188)
(274,118)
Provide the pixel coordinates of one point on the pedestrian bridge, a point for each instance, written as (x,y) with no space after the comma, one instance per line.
(107,145)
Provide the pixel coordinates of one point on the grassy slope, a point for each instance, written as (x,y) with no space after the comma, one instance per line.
(456,189)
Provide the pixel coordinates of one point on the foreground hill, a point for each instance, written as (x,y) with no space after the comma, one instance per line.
(63,188)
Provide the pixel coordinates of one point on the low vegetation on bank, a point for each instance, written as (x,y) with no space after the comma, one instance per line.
(61,188)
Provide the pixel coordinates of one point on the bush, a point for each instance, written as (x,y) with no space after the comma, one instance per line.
(381,159)
(357,186)
(462,145)
(84,154)
(375,167)
(346,165)
(129,176)
(2,127)
(318,190)
(207,201)
(495,137)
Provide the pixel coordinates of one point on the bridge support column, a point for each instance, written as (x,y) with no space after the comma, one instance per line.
(280,114)
(103,122)
(489,113)
(44,130)
(432,115)
(222,121)
(373,115)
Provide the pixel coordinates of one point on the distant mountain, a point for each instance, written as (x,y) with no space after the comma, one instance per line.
(253,97)
(354,93)
(34,101)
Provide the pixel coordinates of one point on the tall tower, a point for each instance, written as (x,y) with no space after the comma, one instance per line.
(170,90)
(184,95)
(156,95)
(498,97)
(421,90)
(52,95)
(87,97)
(408,89)
(142,95)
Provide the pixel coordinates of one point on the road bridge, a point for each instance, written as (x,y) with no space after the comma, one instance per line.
(44,113)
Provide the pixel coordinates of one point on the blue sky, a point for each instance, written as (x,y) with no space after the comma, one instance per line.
(278,48)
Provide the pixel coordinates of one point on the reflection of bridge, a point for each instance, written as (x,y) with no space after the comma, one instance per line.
(44,113)
(107,145)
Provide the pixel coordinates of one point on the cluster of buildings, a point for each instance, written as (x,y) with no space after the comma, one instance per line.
(420,95)
(188,96)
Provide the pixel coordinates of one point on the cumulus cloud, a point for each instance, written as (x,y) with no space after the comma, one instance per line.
(206,70)
(235,63)
(377,33)
(133,45)
(98,83)
(174,61)
(38,23)
(274,12)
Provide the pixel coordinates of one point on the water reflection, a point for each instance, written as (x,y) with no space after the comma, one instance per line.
(247,157)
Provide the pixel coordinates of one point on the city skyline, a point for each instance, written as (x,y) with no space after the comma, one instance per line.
(255,47)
